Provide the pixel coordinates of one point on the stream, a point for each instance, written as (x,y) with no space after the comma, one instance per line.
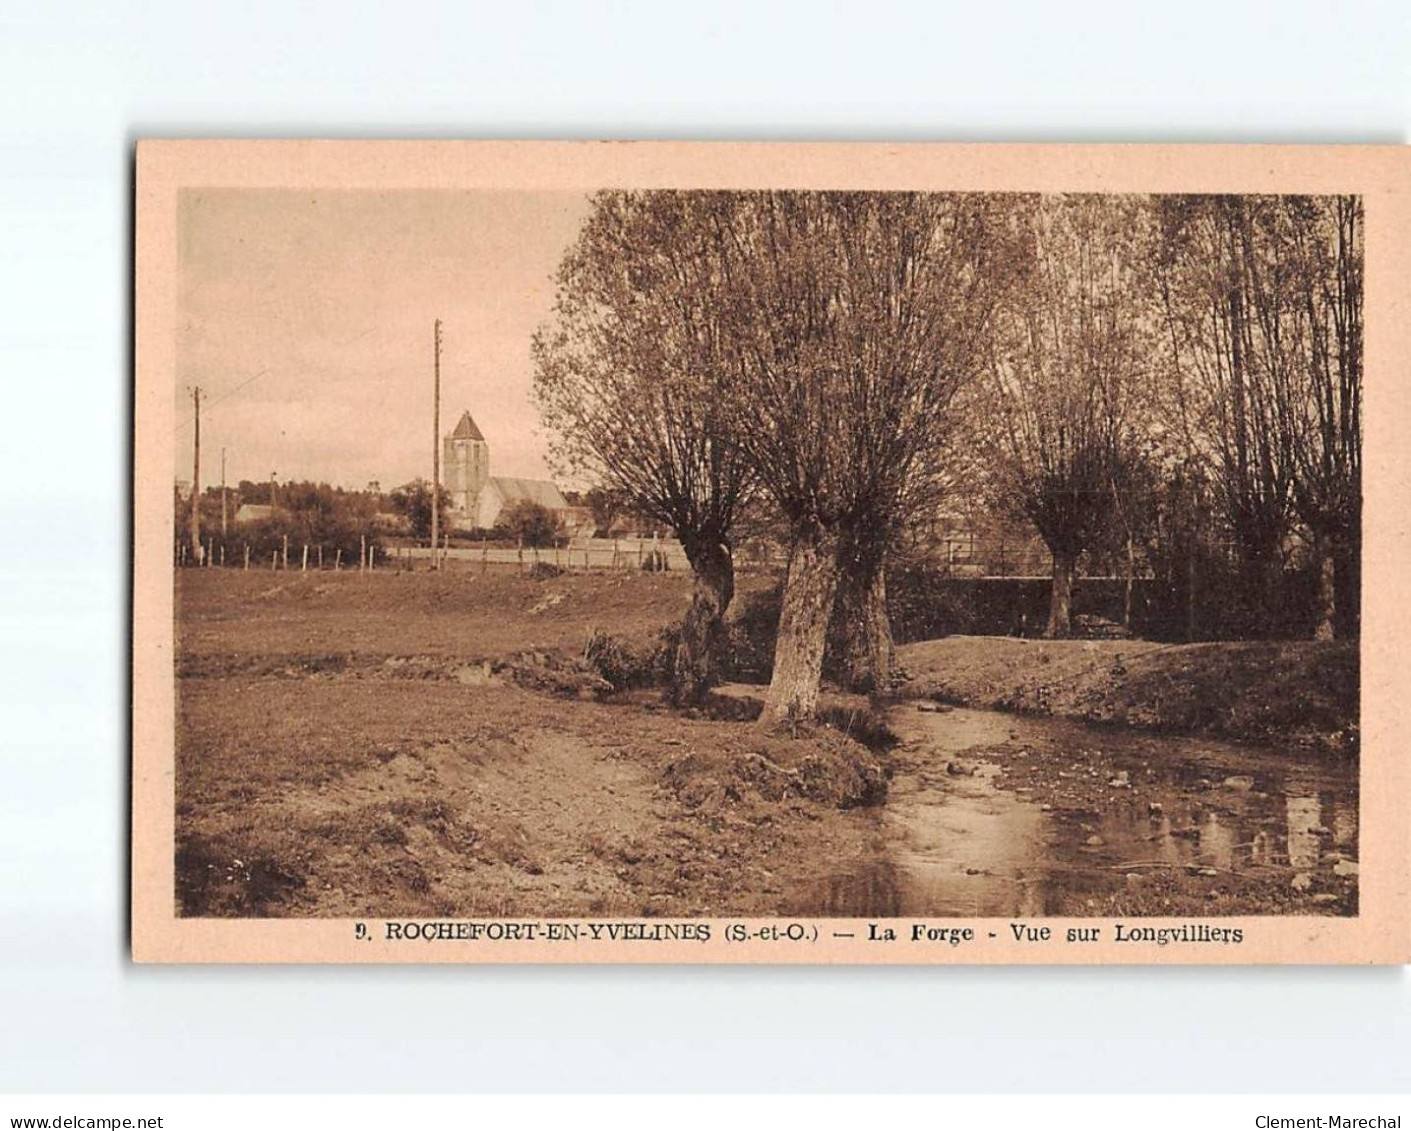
(995,815)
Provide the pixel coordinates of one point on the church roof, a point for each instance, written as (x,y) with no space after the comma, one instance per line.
(466,429)
(539,491)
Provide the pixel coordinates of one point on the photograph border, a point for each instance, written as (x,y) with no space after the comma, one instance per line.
(1379,934)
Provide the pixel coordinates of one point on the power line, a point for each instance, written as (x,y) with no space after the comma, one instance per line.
(262,372)
(225,396)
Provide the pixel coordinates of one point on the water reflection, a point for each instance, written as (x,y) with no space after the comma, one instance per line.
(1304,823)
(1344,825)
(1218,842)
(1264,848)
(958,845)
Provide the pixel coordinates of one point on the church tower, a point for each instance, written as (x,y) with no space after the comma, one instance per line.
(466,457)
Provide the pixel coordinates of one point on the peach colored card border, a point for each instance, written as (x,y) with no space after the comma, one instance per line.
(1381,933)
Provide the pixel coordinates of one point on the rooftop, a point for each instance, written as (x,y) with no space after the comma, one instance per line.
(467,429)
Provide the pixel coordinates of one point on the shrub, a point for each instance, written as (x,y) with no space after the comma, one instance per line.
(749,637)
(528,521)
(413,502)
(626,666)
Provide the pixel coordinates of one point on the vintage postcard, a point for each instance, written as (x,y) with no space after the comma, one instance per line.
(770,553)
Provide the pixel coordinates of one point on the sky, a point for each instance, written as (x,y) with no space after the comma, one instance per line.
(306,318)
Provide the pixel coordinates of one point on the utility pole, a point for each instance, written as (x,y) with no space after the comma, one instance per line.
(436,455)
(222,495)
(196,480)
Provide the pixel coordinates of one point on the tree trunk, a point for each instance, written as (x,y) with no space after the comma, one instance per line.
(1262,582)
(697,662)
(1347,558)
(803,629)
(1327,590)
(1127,591)
(869,652)
(1192,590)
(1060,606)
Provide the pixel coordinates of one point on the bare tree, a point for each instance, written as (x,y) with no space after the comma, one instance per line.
(856,317)
(1067,365)
(1323,400)
(1224,302)
(629,375)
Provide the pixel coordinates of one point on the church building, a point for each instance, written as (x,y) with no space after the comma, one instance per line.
(477,497)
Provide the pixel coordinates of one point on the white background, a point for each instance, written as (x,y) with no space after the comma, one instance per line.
(78,83)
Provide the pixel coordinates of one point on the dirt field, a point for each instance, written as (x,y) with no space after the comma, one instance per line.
(460,613)
(344,751)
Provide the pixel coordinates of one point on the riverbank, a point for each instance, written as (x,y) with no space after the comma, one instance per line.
(335,795)
(1302,693)
(360,746)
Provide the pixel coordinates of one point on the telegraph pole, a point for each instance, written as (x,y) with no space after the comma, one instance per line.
(436,456)
(222,495)
(196,480)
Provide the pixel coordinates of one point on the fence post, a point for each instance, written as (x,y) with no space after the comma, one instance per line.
(247,555)
(337,559)
(304,563)
(371,556)
(362,552)
(484,554)
(274,559)
(320,556)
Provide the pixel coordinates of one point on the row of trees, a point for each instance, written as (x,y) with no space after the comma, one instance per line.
(318,514)
(305,513)
(1267,377)
(838,364)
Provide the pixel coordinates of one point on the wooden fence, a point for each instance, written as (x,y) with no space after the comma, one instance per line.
(593,553)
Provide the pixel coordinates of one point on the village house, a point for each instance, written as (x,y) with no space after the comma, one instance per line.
(253,512)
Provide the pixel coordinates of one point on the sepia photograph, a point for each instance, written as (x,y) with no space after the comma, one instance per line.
(837,561)
(686,553)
